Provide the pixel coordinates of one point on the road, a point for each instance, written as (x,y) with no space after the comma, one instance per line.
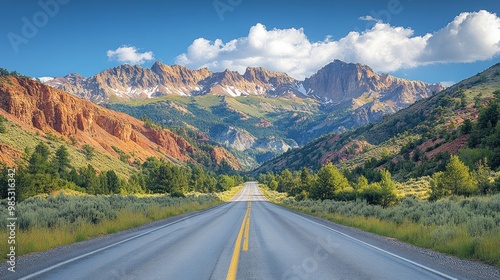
(248,238)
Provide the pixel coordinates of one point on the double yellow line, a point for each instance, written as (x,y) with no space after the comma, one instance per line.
(243,233)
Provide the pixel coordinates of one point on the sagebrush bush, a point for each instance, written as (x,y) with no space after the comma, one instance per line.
(480,215)
(63,210)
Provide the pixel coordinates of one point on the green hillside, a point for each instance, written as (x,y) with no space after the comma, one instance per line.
(415,141)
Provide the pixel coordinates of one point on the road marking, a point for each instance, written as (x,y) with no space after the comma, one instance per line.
(114,244)
(244,230)
(446,276)
(247,227)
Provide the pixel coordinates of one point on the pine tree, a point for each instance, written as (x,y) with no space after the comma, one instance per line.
(457,178)
(388,189)
(61,163)
(39,160)
(329,182)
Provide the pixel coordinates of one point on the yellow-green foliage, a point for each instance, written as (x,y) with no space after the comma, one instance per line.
(273,196)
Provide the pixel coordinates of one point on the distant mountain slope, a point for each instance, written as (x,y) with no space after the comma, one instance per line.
(422,131)
(36,106)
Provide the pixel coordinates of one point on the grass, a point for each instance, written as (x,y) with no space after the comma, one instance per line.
(133,211)
(468,228)
(419,188)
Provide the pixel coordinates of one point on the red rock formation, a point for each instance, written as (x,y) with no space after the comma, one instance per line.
(51,110)
(221,154)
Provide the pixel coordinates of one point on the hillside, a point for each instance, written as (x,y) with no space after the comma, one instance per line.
(38,111)
(412,142)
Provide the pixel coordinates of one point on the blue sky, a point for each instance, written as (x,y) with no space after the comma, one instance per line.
(432,41)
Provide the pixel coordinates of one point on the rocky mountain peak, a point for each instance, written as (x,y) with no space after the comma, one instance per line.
(264,76)
(349,83)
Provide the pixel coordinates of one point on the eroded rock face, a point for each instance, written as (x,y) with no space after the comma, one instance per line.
(51,110)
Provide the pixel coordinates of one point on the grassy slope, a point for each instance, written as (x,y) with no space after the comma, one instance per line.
(21,139)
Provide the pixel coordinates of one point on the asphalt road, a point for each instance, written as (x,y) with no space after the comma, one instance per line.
(248,238)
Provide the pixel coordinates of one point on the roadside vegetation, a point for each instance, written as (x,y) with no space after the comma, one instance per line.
(48,221)
(59,203)
(464,227)
(449,202)
(46,171)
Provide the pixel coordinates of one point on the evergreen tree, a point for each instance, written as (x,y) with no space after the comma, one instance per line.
(387,188)
(113,181)
(438,190)
(306,179)
(3,129)
(285,181)
(39,160)
(457,178)
(329,182)
(61,163)
(89,180)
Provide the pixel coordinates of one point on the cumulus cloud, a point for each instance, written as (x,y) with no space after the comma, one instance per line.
(469,37)
(130,55)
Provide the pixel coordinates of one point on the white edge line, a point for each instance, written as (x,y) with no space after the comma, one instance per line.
(107,247)
(382,250)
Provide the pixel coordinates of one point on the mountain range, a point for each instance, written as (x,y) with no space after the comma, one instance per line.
(257,115)
(338,83)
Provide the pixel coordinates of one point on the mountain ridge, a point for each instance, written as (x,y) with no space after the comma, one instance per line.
(334,83)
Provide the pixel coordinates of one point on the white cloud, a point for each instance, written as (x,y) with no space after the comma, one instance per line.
(369,18)
(130,55)
(469,37)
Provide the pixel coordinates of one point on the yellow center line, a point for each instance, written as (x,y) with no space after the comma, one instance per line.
(245,226)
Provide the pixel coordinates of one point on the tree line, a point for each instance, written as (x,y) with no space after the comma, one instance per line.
(330,183)
(45,172)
